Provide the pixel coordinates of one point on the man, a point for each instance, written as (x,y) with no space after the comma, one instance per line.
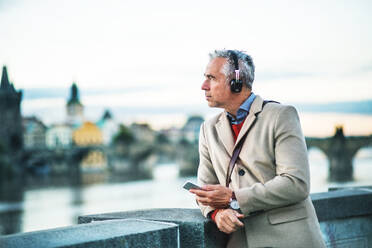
(266,203)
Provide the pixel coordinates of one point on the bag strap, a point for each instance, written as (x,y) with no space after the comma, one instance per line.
(239,146)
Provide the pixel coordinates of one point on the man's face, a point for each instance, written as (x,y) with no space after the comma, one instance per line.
(217,90)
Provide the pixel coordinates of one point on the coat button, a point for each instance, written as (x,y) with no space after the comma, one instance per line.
(241,172)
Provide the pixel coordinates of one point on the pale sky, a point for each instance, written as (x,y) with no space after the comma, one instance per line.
(153,53)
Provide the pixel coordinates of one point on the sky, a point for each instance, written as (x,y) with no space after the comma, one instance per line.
(146,59)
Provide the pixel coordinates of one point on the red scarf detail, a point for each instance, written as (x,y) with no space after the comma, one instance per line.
(236,129)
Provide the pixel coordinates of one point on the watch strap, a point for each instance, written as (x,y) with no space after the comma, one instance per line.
(233,196)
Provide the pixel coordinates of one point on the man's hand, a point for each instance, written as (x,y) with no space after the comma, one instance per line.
(227,220)
(214,195)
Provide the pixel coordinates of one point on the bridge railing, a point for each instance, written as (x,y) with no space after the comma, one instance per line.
(345,219)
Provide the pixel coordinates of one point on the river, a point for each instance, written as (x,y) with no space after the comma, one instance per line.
(41,207)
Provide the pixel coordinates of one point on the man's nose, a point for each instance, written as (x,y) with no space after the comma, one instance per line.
(205,85)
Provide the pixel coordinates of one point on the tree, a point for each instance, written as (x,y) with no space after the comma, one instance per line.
(124,136)
(162,139)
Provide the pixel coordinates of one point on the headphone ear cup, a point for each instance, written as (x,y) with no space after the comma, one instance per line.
(232,85)
(239,86)
(236,86)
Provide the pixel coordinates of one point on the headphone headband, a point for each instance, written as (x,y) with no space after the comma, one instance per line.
(235,84)
(234,58)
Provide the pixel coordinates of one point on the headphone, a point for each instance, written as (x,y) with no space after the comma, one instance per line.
(236,84)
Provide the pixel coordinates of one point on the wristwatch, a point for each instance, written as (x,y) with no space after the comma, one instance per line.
(234,204)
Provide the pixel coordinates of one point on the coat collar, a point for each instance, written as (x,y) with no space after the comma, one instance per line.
(224,130)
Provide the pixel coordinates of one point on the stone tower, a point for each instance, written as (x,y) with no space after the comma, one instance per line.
(11,132)
(75,110)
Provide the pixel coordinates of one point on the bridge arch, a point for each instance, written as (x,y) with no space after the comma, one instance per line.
(318,169)
(340,151)
(362,165)
(317,156)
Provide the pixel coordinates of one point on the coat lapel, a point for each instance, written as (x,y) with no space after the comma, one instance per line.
(225,133)
(256,108)
(224,130)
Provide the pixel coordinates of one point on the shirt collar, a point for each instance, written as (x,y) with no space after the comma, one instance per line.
(243,110)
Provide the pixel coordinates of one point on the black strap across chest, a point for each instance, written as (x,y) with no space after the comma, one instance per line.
(239,146)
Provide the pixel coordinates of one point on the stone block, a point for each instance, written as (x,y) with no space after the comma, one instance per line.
(128,233)
(195,230)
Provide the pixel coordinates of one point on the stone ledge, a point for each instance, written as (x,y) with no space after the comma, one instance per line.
(341,204)
(365,188)
(112,233)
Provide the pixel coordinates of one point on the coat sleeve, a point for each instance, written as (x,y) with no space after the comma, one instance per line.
(206,174)
(291,183)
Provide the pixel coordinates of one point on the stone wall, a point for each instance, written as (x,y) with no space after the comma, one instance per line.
(345,217)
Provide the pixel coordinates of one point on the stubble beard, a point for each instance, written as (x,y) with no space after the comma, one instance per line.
(213,104)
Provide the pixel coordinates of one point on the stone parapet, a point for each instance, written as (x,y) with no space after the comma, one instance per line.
(345,217)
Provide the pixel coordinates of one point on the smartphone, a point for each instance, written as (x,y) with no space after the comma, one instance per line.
(190,185)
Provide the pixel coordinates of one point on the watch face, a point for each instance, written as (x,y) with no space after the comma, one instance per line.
(234,205)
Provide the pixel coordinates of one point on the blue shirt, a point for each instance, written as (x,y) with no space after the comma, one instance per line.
(243,110)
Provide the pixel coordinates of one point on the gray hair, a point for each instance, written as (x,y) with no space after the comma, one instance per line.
(246,66)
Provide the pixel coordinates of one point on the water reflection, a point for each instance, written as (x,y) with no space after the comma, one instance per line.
(49,202)
(11,209)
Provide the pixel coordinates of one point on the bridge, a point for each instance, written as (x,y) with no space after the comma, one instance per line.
(70,160)
(340,151)
(72,155)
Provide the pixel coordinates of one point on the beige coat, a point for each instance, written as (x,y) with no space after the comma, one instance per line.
(276,176)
